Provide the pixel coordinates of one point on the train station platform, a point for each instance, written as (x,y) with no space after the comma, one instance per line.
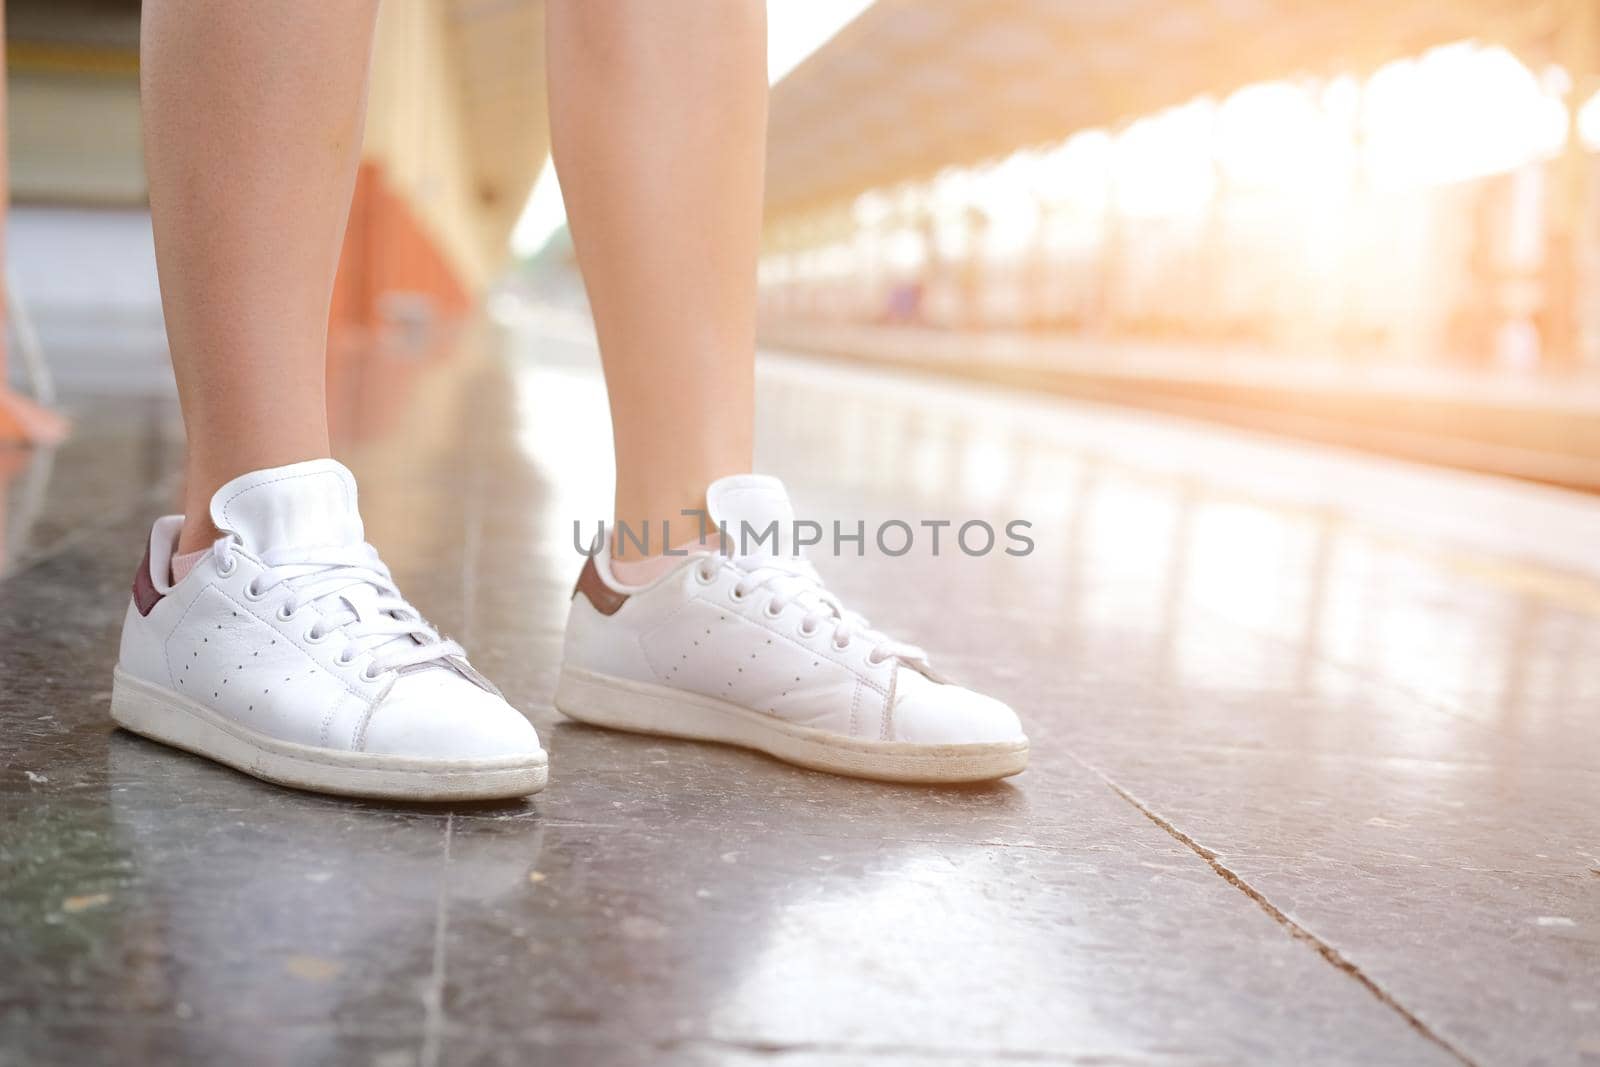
(1313,777)
(1543,426)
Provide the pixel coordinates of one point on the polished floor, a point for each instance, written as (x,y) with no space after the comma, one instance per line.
(1315,775)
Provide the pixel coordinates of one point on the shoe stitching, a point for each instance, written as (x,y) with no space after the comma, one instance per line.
(888,706)
(304,651)
(757,617)
(343,485)
(358,739)
(826,653)
(645,650)
(327,720)
(763,629)
(166,654)
(650,659)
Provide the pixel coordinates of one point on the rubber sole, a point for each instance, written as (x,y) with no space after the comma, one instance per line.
(156,712)
(640,707)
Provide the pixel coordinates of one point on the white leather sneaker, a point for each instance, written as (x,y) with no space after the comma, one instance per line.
(753,650)
(289,654)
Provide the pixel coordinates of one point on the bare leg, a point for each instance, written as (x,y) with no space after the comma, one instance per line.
(658,119)
(252,118)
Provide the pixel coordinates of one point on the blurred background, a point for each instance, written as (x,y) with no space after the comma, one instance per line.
(1372,224)
(1277,319)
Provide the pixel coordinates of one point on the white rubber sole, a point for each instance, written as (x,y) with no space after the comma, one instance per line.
(162,715)
(640,707)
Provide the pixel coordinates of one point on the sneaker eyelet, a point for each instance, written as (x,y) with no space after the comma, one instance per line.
(368,675)
(840,646)
(735,595)
(772,611)
(226,570)
(807,631)
(314,638)
(346,658)
(251,592)
(705,576)
(283,613)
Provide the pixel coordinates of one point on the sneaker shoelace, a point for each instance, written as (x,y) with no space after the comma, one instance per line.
(354,596)
(796,581)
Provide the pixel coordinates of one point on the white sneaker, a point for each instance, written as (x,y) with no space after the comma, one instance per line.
(754,651)
(288,654)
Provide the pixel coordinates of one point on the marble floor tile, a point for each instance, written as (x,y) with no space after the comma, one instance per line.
(1313,773)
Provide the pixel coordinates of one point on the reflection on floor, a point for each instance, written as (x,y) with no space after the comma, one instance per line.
(1314,764)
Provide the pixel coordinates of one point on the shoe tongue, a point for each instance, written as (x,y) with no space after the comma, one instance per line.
(746,505)
(298,506)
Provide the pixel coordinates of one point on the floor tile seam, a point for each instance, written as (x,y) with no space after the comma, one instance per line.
(434,1020)
(1338,960)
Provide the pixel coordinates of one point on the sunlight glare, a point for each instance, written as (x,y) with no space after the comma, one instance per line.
(795,29)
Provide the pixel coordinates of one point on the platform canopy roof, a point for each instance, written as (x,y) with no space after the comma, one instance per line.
(912,86)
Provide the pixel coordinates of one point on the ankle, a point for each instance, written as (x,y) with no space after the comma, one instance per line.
(652,527)
(197,534)
(207,471)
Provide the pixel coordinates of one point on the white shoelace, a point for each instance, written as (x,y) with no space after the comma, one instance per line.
(354,596)
(795,581)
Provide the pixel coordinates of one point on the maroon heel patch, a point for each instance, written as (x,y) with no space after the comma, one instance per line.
(145,595)
(605,599)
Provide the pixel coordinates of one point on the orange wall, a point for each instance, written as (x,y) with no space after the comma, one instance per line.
(387,249)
